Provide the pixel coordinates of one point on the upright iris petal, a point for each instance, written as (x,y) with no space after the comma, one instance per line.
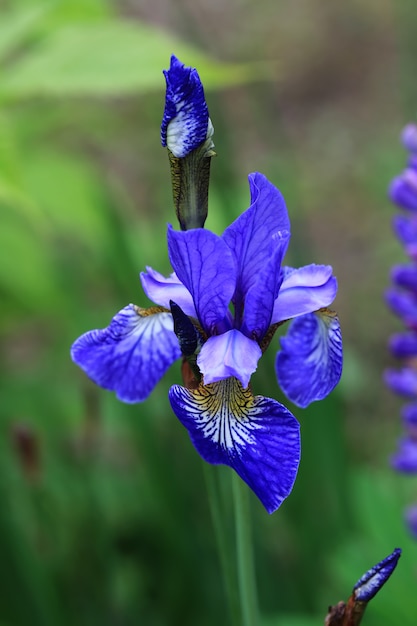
(249,237)
(256,436)
(205,265)
(186,123)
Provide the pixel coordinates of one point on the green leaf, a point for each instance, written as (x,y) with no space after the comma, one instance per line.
(112,58)
(16,26)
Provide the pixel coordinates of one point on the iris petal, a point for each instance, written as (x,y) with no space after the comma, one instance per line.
(205,265)
(161,290)
(304,290)
(259,301)
(309,365)
(229,354)
(131,355)
(256,436)
(249,236)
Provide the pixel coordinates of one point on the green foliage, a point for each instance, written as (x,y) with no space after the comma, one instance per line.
(104,515)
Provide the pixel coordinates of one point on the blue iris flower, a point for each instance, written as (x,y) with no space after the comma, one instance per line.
(236,292)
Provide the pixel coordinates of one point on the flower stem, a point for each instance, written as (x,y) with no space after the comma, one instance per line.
(223,543)
(244,553)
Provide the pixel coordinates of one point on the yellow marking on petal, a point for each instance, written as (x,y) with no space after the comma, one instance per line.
(152,310)
(224,410)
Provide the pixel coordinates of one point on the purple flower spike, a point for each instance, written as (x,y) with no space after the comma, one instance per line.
(403,382)
(405,459)
(185,123)
(405,276)
(411,520)
(403,190)
(371,582)
(403,345)
(409,137)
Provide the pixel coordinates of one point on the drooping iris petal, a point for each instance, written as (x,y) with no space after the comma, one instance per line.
(185,123)
(260,298)
(229,354)
(304,290)
(309,365)
(256,436)
(370,583)
(161,290)
(405,459)
(250,235)
(205,265)
(131,355)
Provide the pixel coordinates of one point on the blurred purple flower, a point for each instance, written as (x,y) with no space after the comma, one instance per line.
(402,299)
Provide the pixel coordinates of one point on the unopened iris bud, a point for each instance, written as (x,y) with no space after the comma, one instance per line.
(186,131)
(351,613)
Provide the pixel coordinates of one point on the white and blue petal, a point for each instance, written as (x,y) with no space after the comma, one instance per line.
(185,123)
(304,290)
(161,290)
(250,235)
(229,354)
(256,436)
(371,582)
(309,365)
(205,265)
(131,355)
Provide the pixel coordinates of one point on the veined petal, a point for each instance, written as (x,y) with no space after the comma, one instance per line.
(250,235)
(304,290)
(185,123)
(229,354)
(310,363)
(256,436)
(161,290)
(205,265)
(260,298)
(131,355)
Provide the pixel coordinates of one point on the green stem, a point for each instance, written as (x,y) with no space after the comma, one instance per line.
(223,544)
(244,548)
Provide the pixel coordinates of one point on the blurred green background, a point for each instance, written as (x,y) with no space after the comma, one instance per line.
(104,517)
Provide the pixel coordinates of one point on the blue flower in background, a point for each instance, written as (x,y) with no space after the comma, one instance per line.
(234,293)
(402,300)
